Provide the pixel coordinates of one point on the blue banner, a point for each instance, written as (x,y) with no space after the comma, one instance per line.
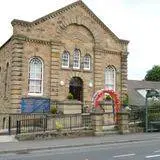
(35,105)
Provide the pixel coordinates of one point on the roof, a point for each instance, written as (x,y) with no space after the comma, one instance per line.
(60,11)
(64,9)
(135,98)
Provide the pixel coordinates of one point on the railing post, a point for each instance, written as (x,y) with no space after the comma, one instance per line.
(146,115)
(9,125)
(70,122)
(45,123)
(18,130)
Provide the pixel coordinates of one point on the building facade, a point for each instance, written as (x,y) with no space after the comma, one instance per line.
(67,51)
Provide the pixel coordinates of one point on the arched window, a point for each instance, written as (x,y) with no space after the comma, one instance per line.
(65,59)
(35,76)
(87,62)
(110,77)
(76,59)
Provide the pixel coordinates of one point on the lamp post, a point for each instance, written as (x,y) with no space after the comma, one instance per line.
(146,112)
(150,93)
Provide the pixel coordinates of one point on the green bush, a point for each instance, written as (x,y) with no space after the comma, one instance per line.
(53,109)
(154,116)
(59,126)
(125,100)
(154,111)
(108,97)
(70,96)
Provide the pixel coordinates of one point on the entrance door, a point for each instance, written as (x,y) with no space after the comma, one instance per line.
(76,88)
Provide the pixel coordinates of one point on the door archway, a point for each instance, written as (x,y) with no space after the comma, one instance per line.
(76,88)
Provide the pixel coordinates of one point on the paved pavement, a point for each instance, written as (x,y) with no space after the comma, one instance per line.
(11,146)
(7,138)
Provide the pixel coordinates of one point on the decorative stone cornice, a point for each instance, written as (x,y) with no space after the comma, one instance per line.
(38,41)
(27,39)
(124,41)
(107,51)
(21,22)
(65,9)
(56,43)
(18,37)
(125,54)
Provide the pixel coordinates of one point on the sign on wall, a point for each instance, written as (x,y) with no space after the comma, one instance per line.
(35,105)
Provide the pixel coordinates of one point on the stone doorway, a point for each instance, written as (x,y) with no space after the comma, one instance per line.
(76,88)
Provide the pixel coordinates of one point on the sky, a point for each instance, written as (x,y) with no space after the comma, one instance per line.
(135,20)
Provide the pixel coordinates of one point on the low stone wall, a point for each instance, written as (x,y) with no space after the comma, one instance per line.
(54,135)
(77,125)
(70,107)
(4,118)
(135,128)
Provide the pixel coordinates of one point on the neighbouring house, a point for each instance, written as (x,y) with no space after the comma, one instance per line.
(68,51)
(137,91)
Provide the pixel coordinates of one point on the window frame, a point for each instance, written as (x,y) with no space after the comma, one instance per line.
(89,62)
(113,84)
(79,55)
(35,79)
(68,61)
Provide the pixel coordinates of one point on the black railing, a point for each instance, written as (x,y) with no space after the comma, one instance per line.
(53,122)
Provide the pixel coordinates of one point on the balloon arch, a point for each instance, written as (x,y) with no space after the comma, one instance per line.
(99,94)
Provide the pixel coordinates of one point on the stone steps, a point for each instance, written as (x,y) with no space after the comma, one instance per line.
(112,129)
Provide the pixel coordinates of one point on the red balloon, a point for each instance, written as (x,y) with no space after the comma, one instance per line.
(115,96)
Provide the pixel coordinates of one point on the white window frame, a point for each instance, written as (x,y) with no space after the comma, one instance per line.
(76,59)
(64,59)
(87,61)
(110,78)
(35,79)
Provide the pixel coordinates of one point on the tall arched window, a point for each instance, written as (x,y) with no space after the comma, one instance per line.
(110,77)
(87,62)
(65,59)
(35,76)
(76,59)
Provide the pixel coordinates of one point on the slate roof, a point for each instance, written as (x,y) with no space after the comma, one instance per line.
(135,98)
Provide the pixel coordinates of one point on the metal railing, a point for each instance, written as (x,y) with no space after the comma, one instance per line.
(48,122)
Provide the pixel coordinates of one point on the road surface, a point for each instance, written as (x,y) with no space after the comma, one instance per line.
(118,151)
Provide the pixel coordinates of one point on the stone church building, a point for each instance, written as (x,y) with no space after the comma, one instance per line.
(68,51)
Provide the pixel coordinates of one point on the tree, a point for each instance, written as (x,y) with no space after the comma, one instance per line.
(153,74)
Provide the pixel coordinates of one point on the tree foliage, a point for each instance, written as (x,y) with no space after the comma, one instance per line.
(153,74)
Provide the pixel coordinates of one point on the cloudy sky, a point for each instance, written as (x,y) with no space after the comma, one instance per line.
(135,20)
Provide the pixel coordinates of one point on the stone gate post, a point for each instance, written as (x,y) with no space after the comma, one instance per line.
(123,122)
(97,123)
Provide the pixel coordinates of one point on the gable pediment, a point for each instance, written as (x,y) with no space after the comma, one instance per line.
(75,13)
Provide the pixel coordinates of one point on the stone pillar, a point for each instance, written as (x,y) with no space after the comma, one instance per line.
(123,122)
(55,67)
(124,72)
(16,73)
(108,112)
(97,123)
(98,83)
